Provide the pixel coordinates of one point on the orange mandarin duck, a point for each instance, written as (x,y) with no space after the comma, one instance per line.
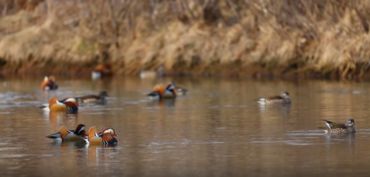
(107,137)
(101,70)
(68,105)
(48,83)
(66,135)
(162,92)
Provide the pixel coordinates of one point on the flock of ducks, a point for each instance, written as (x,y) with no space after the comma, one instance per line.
(108,136)
(70,105)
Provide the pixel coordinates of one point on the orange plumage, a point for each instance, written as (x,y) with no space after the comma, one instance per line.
(106,137)
(93,137)
(69,106)
(160,88)
(104,69)
(56,106)
(48,83)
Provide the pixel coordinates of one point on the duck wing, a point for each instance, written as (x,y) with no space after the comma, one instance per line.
(275,97)
(89,97)
(332,125)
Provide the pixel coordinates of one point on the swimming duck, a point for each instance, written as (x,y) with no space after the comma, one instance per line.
(339,128)
(97,99)
(161,92)
(68,105)
(64,134)
(49,83)
(283,98)
(101,70)
(151,74)
(106,137)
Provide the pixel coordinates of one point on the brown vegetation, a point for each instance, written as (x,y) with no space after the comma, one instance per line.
(258,38)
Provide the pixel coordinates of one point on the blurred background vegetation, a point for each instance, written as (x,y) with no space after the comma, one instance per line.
(256,38)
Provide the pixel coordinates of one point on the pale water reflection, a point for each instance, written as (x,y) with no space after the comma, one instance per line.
(218,129)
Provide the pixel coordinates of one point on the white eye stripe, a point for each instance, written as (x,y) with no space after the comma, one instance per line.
(81,129)
(109,131)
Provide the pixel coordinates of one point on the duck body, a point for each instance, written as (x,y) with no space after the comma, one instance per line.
(163,92)
(340,128)
(93,99)
(107,137)
(147,74)
(101,70)
(181,91)
(68,105)
(71,107)
(283,98)
(66,135)
(48,83)
(151,74)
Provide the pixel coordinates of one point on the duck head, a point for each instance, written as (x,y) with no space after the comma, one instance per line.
(80,130)
(109,131)
(350,122)
(109,137)
(171,88)
(285,94)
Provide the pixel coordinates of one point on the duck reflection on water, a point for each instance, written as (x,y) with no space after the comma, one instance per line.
(163,102)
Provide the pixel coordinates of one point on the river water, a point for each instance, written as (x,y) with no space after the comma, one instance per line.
(218,129)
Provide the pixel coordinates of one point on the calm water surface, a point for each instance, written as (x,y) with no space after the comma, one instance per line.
(216,130)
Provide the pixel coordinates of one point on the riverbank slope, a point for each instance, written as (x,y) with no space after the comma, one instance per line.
(258,38)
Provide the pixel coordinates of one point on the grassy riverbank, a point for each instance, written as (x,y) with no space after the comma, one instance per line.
(258,38)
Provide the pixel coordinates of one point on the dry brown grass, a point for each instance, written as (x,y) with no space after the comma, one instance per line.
(238,37)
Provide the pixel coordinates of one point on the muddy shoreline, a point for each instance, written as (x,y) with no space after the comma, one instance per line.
(83,70)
